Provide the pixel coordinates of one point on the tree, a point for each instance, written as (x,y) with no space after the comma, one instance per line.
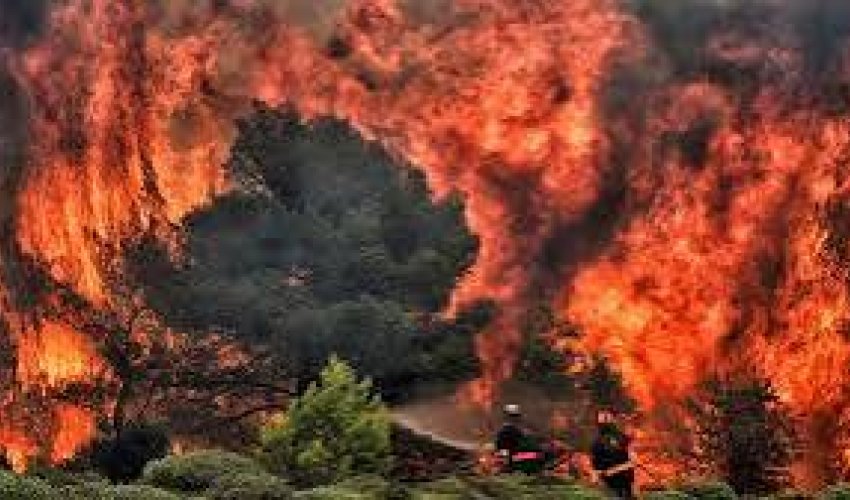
(743,433)
(122,459)
(205,384)
(337,429)
(328,245)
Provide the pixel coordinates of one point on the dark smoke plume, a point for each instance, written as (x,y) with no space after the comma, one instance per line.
(21,20)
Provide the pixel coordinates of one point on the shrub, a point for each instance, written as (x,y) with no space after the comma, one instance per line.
(125,459)
(792,495)
(708,490)
(334,493)
(522,487)
(667,495)
(14,487)
(449,489)
(105,491)
(197,472)
(504,488)
(336,430)
(744,434)
(375,487)
(88,491)
(837,492)
(141,492)
(58,477)
(248,486)
(429,495)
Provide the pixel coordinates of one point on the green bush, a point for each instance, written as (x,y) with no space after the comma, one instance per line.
(523,487)
(667,495)
(708,490)
(743,433)
(694,489)
(123,459)
(197,472)
(141,492)
(792,495)
(506,487)
(334,493)
(14,487)
(87,491)
(375,487)
(430,495)
(248,486)
(451,488)
(336,430)
(58,477)
(105,491)
(836,492)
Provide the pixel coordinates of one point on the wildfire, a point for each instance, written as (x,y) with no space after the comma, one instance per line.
(54,354)
(684,220)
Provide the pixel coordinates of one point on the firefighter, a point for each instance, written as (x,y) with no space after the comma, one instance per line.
(519,449)
(611,459)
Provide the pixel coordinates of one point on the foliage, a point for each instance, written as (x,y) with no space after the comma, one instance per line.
(14,487)
(606,387)
(743,434)
(155,373)
(337,429)
(707,490)
(249,486)
(792,495)
(667,495)
(197,472)
(522,487)
(329,247)
(123,458)
(357,488)
(508,487)
(58,477)
(333,493)
(141,492)
(836,492)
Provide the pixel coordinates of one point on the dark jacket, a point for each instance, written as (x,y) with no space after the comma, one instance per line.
(611,449)
(510,438)
(524,451)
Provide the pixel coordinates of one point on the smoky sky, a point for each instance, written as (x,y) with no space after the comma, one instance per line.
(21,20)
(819,29)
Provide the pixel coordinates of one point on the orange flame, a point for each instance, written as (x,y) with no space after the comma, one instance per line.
(682,223)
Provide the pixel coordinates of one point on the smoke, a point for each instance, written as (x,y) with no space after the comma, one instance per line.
(21,20)
(318,18)
(659,165)
(689,33)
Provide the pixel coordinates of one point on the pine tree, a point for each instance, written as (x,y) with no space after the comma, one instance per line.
(744,434)
(336,429)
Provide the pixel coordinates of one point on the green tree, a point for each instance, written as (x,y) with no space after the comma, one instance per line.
(336,429)
(744,434)
(328,245)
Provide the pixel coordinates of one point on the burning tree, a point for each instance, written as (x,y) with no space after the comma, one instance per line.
(744,434)
(200,385)
(655,168)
